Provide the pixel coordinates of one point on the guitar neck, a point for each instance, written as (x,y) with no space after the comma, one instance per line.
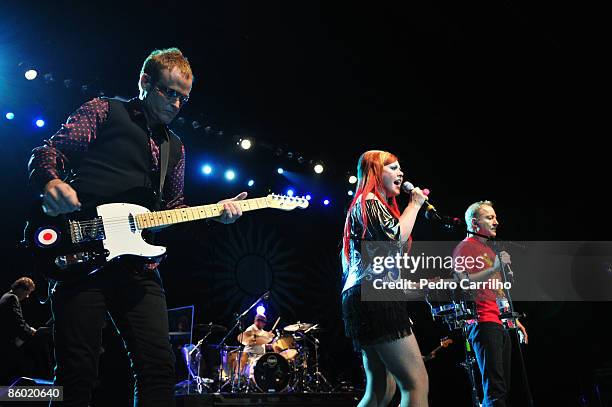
(181,215)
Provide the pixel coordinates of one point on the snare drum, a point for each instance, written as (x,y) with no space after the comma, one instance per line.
(272,373)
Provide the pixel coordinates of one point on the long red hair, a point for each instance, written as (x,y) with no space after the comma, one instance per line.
(369,179)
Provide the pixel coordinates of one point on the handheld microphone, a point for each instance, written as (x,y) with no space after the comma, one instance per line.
(430,210)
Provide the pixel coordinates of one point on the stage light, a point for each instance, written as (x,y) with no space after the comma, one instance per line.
(350,193)
(40,123)
(318,168)
(261,310)
(230,175)
(49,78)
(31,74)
(251,183)
(308,197)
(206,169)
(352,179)
(326,202)
(245,144)
(290,192)
(10,116)
(280,170)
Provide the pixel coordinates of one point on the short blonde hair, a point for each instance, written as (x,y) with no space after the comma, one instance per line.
(473,211)
(168,58)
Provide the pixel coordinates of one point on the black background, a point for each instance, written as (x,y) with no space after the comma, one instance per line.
(484,100)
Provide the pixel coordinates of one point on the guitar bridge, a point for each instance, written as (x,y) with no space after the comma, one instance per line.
(86,230)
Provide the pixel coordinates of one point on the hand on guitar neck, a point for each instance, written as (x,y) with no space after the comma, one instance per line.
(444,343)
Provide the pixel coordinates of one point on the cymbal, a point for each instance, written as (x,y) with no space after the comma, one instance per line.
(251,338)
(210,327)
(297,327)
(316,329)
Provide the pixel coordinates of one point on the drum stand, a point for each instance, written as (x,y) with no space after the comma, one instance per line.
(201,383)
(317,382)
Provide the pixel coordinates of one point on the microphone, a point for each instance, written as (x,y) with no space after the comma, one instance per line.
(430,210)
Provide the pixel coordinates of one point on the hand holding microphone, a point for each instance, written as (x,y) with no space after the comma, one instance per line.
(430,210)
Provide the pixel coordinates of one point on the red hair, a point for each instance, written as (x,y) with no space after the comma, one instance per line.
(369,179)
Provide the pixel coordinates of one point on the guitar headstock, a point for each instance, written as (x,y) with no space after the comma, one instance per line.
(286,202)
(445,342)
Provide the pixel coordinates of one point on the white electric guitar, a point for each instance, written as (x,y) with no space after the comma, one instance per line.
(69,246)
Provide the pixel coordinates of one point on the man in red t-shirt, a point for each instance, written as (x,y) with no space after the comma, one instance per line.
(489,339)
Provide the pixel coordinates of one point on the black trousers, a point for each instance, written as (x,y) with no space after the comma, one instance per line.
(493,349)
(136,303)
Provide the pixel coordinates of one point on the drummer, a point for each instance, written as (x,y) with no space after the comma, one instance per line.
(256,331)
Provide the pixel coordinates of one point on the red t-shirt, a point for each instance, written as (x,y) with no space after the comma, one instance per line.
(485,301)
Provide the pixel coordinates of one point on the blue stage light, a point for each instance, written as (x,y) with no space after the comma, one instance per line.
(206,169)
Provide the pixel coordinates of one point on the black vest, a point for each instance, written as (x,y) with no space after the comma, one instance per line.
(119,159)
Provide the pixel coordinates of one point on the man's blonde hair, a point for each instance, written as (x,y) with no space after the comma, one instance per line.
(168,58)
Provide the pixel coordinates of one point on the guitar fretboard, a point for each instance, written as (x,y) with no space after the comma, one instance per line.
(172,216)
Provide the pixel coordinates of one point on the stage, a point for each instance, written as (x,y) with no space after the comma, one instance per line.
(268,399)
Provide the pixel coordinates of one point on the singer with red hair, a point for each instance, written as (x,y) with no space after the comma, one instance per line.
(381,330)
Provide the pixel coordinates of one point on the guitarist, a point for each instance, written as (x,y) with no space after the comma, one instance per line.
(14,329)
(114,146)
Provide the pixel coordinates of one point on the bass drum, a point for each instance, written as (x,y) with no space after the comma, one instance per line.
(272,373)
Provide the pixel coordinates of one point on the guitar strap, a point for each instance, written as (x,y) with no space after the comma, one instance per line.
(164,150)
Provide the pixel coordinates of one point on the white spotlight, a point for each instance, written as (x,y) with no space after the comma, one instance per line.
(31,74)
(245,144)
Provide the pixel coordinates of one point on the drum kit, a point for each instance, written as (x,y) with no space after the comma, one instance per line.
(290,362)
(461,316)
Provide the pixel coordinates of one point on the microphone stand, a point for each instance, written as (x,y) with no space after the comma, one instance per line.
(238,325)
(514,317)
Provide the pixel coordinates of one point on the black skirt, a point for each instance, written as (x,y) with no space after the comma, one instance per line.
(373,322)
